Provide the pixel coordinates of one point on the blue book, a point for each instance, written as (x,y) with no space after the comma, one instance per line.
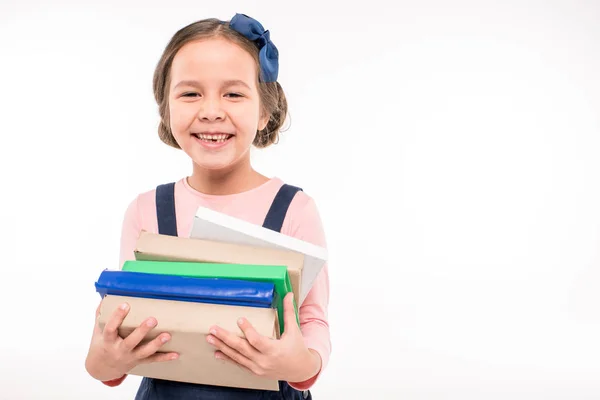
(182,288)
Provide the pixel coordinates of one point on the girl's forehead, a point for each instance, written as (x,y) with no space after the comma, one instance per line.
(213,58)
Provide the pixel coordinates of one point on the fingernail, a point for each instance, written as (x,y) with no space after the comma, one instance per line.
(124,306)
(164,339)
(218,356)
(210,340)
(151,322)
(213,332)
(240,321)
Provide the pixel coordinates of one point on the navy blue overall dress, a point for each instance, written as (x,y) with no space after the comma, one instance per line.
(155,389)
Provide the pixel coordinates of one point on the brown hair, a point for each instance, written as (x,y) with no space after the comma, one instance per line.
(272,98)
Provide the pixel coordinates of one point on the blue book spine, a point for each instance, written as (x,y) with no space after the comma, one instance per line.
(181,288)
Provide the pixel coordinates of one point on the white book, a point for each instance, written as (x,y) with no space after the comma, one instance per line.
(213,225)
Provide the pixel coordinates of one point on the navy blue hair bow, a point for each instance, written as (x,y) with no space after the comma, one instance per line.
(268,54)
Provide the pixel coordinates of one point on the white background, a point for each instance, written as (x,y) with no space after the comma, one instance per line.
(452,148)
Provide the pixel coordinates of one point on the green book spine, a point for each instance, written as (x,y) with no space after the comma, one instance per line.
(275,274)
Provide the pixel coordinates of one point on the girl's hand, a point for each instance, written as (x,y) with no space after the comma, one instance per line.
(111,357)
(286,359)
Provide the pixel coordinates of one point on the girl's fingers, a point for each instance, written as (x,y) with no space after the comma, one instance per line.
(220,337)
(151,347)
(110,332)
(232,353)
(289,314)
(257,341)
(159,357)
(135,337)
(97,330)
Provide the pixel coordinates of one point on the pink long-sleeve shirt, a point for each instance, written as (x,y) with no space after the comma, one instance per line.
(302,221)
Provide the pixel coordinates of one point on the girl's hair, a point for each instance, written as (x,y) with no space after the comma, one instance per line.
(272,98)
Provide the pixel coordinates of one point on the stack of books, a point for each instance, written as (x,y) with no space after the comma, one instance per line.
(226,269)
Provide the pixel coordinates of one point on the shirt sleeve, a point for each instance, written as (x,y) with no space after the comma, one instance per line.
(313,312)
(130,231)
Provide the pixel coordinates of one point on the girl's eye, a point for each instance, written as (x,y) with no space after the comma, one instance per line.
(190,94)
(234,95)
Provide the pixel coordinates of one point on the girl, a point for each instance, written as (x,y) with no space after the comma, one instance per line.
(217,91)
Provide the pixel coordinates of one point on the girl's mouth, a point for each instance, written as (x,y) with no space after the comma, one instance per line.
(213,137)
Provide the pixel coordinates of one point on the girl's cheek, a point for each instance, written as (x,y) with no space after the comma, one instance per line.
(181,120)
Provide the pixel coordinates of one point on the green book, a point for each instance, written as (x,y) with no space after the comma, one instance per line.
(275,274)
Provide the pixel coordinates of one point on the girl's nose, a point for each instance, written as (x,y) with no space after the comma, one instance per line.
(211,110)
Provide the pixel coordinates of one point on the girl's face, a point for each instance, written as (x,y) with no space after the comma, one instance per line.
(214,103)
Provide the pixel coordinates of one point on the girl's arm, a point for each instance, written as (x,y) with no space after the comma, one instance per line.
(304,223)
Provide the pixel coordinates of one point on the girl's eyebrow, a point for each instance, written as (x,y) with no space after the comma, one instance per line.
(236,82)
(187,83)
(231,82)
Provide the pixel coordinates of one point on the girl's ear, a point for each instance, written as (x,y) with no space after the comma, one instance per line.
(263,121)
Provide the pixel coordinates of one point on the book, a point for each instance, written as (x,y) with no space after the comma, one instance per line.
(216,226)
(184,288)
(274,276)
(189,324)
(157,247)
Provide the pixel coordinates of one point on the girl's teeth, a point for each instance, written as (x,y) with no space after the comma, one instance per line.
(214,138)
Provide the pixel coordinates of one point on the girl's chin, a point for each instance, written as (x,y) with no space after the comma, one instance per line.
(224,158)
(215,162)
(213,166)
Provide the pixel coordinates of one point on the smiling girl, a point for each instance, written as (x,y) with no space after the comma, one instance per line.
(217,92)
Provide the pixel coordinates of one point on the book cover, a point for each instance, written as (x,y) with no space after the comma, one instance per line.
(185,288)
(157,247)
(273,275)
(212,225)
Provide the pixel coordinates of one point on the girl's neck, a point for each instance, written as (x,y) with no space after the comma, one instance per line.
(239,178)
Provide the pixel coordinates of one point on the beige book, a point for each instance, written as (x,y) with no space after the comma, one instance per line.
(189,323)
(157,247)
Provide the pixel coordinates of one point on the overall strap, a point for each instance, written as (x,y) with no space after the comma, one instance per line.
(165,209)
(279,207)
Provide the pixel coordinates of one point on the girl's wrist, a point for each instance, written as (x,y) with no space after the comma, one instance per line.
(95,370)
(312,363)
(114,382)
(317,363)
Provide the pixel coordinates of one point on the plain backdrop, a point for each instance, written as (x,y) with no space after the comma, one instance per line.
(452,148)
